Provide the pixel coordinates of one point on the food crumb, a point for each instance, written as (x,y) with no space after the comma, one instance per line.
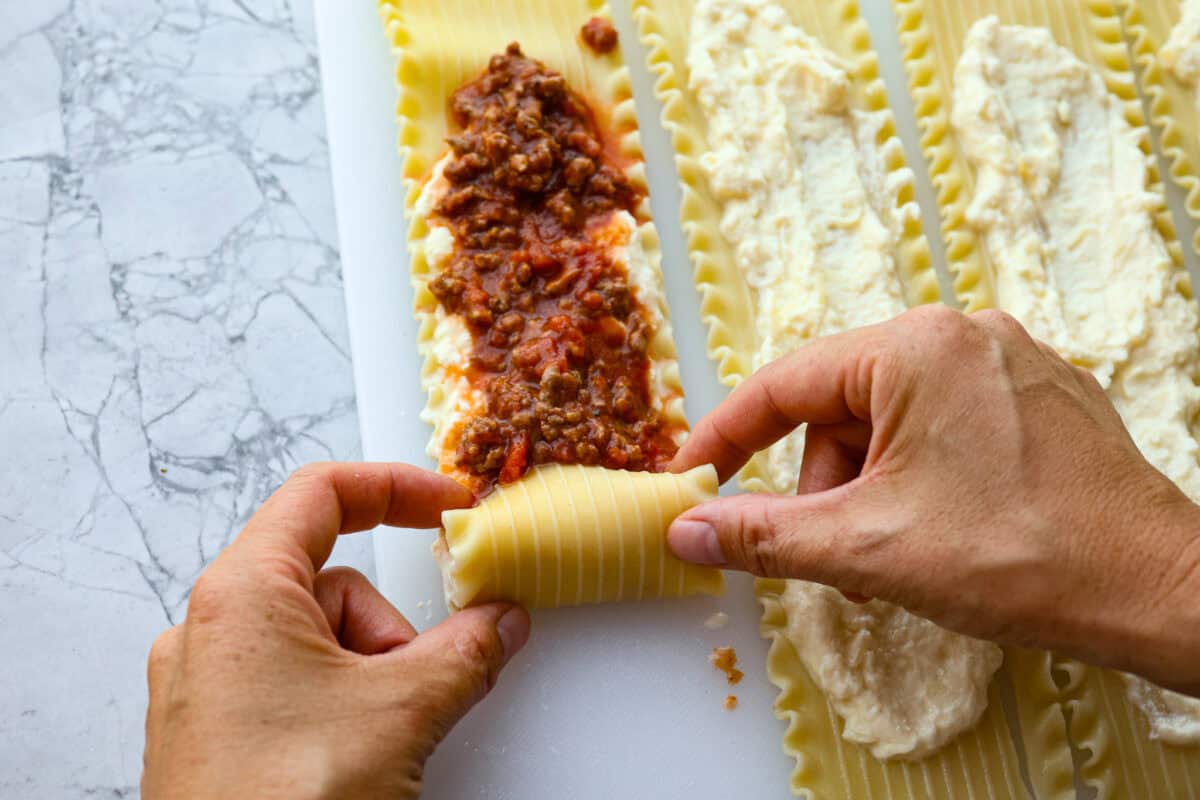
(731,702)
(427,605)
(717,621)
(725,659)
(600,35)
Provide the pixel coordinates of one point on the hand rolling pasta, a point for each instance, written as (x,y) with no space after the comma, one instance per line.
(550,366)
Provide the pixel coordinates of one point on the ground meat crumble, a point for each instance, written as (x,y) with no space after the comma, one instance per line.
(559,338)
(599,34)
(725,660)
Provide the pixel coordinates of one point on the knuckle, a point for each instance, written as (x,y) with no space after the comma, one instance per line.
(729,443)
(286,566)
(206,599)
(164,646)
(480,652)
(341,576)
(938,328)
(312,472)
(937,321)
(867,550)
(1088,379)
(994,318)
(162,652)
(1003,326)
(936,315)
(755,537)
(1052,360)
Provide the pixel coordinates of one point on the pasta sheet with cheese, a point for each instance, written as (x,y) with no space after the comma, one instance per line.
(543,323)
(1053,210)
(801,222)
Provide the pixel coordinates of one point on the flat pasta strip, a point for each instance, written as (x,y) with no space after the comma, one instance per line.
(1119,759)
(1172,95)
(543,321)
(1122,762)
(598,536)
(984,761)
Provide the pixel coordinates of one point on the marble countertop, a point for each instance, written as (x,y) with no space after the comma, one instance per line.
(172,343)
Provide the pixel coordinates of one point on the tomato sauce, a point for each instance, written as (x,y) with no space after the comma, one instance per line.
(559,338)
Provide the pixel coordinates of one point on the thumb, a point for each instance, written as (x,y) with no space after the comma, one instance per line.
(775,536)
(459,660)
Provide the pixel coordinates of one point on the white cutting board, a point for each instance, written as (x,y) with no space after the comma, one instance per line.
(604,702)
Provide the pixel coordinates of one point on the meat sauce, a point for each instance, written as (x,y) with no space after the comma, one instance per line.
(559,339)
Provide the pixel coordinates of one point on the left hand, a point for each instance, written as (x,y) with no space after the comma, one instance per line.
(287,680)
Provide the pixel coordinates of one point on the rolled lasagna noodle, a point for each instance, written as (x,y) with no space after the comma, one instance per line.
(570,535)
(1119,758)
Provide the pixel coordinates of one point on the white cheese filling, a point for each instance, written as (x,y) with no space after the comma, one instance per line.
(808,202)
(903,685)
(809,208)
(447,349)
(1068,224)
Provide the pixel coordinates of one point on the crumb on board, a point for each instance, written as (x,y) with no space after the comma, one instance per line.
(730,702)
(427,606)
(725,659)
(717,621)
(599,34)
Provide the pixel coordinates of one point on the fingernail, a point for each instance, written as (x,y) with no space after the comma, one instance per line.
(513,629)
(695,541)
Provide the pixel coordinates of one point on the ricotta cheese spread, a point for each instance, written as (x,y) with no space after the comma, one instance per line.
(1062,206)
(903,685)
(808,201)
(809,208)
(448,346)
(1181,52)
(1173,717)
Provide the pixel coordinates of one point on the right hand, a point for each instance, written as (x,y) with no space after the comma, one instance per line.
(960,469)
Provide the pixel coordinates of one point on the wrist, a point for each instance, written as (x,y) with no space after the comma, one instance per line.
(1164,640)
(1179,606)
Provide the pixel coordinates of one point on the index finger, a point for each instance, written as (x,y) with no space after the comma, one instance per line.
(825,382)
(320,501)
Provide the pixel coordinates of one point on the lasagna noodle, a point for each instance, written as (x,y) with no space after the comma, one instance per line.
(1118,758)
(984,761)
(569,535)
(439,46)
(1174,106)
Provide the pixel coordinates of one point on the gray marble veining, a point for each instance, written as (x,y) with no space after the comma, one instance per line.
(172,342)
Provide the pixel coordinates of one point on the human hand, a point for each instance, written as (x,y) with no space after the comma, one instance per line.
(287,680)
(958,468)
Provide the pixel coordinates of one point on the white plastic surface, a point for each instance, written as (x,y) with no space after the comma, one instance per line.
(605,702)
